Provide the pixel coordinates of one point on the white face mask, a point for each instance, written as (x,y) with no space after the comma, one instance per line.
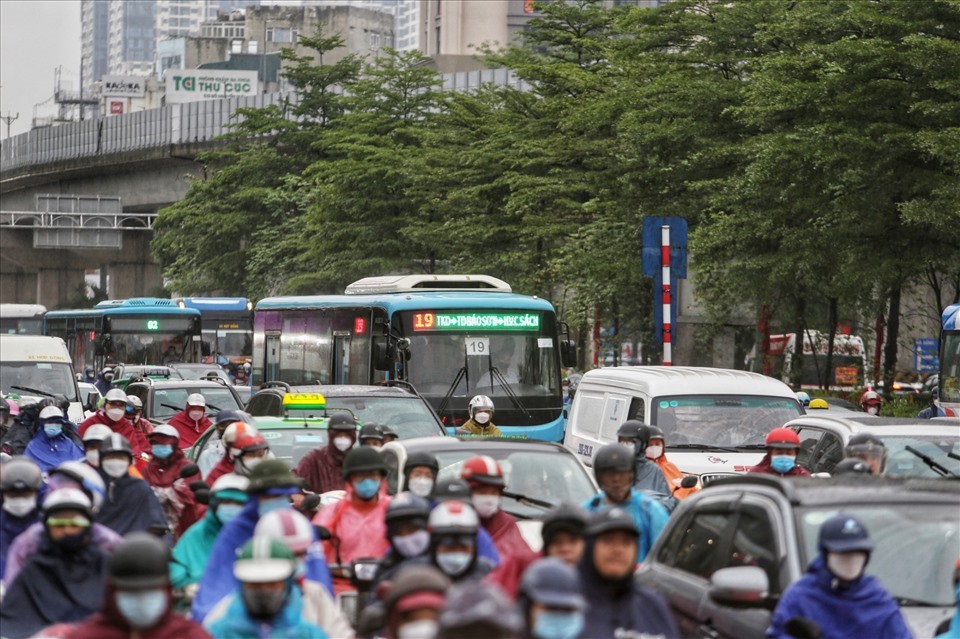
(116,468)
(93,458)
(873,410)
(412,545)
(420,486)
(19,506)
(196,415)
(482,417)
(654,452)
(423,629)
(342,443)
(847,566)
(486,505)
(115,414)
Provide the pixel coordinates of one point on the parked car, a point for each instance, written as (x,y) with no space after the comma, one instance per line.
(164,399)
(824,436)
(729,551)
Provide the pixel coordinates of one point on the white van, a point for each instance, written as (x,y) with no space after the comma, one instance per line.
(37,366)
(715,420)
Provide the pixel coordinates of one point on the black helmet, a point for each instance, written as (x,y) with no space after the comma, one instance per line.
(370,430)
(20,473)
(140,561)
(637,431)
(115,443)
(865,439)
(479,607)
(61,402)
(342,421)
(452,488)
(272,473)
(566,517)
(421,458)
(414,580)
(388,431)
(851,466)
(615,457)
(656,433)
(552,582)
(407,507)
(608,519)
(361,459)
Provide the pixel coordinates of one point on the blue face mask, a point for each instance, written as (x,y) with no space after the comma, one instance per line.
(783,464)
(270,504)
(142,608)
(52,429)
(366,488)
(162,451)
(557,624)
(226,512)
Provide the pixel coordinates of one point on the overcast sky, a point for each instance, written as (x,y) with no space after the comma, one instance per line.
(36,36)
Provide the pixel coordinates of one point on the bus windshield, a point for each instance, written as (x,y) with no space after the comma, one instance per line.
(22,325)
(43,379)
(721,420)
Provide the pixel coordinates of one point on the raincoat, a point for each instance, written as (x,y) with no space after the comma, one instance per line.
(358,531)
(28,542)
(674,476)
(49,452)
(288,624)
(130,506)
(649,516)
(193,549)
(506,535)
(10,527)
(178,501)
(138,442)
(322,469)
(189,430)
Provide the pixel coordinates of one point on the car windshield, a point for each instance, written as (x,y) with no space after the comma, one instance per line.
(292,444)
(409,416)
(916,546)
(167,402)
(902,463)
(721,420)
(38,379)
(545,475)
(200,372)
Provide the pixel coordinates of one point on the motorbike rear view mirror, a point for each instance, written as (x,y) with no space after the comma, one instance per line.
(689,481)
(383,354)
(364,571)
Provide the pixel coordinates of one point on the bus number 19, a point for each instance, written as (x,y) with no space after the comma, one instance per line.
(423,321)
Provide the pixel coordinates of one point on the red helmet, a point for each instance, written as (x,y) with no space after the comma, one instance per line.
(871,397)
(483,469)
(248,442)
(783,437)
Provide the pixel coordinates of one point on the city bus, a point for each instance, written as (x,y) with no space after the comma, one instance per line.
(848,364)
(950,361)
(451,336)
(22,319)
(226,328)
(142,330)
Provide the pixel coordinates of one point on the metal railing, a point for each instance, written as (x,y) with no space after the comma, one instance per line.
(57,220)
(175,124)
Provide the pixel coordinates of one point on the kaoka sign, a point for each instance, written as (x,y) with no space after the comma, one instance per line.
(123,86)
(208,84)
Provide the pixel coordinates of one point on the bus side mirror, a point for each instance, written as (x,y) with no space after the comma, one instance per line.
(568,353)
(383,355)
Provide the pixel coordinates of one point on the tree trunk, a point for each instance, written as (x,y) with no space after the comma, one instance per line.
(796,361)
(833,336)
(893,333)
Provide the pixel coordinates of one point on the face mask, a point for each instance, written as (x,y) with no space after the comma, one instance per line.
(52,429)
(873,410)
(846,566)
(270,504)
(654,452)
(482,418)
(162,451)
(486,505)
(196,415)
(783,464)
(553,624)
(226,512)
(248,463)
(115,414)
(142,609)
(423,629)
(366,488)
(412,545)
(421,486)
(108,377)
(116,468)
(19,506)
(454,563)
(264,604)
(93,458)
(342,444)
(73,542)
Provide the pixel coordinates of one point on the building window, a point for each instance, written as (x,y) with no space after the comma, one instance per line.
(375,40)
(280,34)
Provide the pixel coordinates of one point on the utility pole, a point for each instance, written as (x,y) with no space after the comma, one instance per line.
(9,120)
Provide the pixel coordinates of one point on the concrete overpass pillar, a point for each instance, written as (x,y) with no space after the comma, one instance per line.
(133,279)
(55,286)
(18,287)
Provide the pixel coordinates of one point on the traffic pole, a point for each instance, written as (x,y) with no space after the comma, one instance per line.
(667,301)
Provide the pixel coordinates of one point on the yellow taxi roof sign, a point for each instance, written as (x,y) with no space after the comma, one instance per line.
(304,400)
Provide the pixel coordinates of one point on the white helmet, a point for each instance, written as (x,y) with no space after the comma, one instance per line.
(115,395)
(196,399)
(51,411)
(480,402)
(453,517)
(166,430)
(85,476)
(134,401)
(97,433)
(230,481)
(288,526)
(67,498)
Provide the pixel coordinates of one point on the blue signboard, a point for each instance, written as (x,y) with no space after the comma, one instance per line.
(926,355)
(652,264)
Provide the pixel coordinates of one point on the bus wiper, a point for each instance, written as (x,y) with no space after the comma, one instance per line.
(941,470)
(33,390)
(456,382)
(533,501)
(176,408)
(497,375)
(704,447)
(907,601)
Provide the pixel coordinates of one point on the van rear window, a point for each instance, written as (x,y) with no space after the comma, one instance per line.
(721,420)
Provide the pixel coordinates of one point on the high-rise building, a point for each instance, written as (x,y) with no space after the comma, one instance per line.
(451,30)
(95,20)
(132,38)
(407,25)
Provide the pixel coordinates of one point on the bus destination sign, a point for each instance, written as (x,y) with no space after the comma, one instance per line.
(431,321)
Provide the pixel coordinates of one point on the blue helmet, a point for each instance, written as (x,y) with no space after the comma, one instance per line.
(553,583)
(803,398)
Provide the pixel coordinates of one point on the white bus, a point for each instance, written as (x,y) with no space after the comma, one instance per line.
(22,319)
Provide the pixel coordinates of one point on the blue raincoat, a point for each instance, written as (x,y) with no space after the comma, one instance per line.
(50,452)
(649,516)
(10,527)
(288,624)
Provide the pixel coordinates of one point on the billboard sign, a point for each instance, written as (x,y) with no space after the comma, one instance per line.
(123,86)
(192,85)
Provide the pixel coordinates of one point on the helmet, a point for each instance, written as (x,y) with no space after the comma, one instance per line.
(609,519)
(421,458)
(453,518)
(51,412)
(134,402)
(869,448)
(637,431)
(361,459)
(803,398)
(407,507)
(262,560)
(227,415)
(370,431)
(870,398)
(479,402)
(20,473)
(388,431)
(140,561)
(107,373)
(115,443)
(342,421)
(417,587)
(165,430)
(483,469)
(272,473)
(613,457)
(481,607)
(85,476)
(818,403)
(196,399)
(115,395)
(566,517)
(230,481)
(451,488)
(851,466)
(287,526)
(553,583)
(231,434)
(249,442)
(61,402)
(844,533)
(656,433)
(67,499)
(783,437)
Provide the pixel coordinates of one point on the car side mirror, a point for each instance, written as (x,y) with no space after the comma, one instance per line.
(91,402)
(689,481)
(568,353)
(383,354)
(740,587)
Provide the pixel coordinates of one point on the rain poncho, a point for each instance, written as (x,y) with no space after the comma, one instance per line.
(189,430)
(28,542)
(130,506)
(178,501)
(288,624)
(192,551)
(649,516)
(506,535)
(10,527)
(322,469)
(122,426)
(50,452)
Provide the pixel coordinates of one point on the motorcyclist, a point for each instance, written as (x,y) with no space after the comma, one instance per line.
(407,534)
(134,415)
(868,448)
(783,445)
(192,421)
(371,434)
(836,593)
(614,469)
(871,402)
(251,449)
(421,470)
(649,478)
(227,463)
(456,489)
(934,409)
(389,434)
(551,600)
(20,483)
(214,449)
(104,380)
(413,602)
(113,414)
(268,601)
(485,477)
(6,417)
(92,439)
(51,446)
(480,410)
(130,504)
(474,610)
(617,606)
(453,529)
(563,533)
(322,469)
(804,398)
(656,451)
(357,523)
(171,479)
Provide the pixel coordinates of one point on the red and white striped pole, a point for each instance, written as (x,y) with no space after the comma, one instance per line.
(667,300)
